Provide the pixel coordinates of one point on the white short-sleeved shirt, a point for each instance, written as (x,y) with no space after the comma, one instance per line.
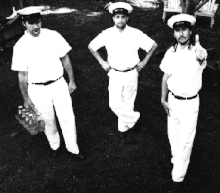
(122,47)
(40,56)
(184,70)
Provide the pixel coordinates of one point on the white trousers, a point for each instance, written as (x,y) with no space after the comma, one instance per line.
(122,93)
(56,96)
(181,133)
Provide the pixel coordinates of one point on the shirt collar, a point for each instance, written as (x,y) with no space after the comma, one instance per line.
(30,36)
(125,29)
(180,49)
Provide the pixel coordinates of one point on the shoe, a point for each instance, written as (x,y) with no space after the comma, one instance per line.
(78,156)
(55,153)
(176,187)
(123,135)
(126,137)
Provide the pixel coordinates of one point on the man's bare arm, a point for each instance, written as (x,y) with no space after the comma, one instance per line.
(69,69)
(147,57)
(23,85)
(164,93)
(105,65)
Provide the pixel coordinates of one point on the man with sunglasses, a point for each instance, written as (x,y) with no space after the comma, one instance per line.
(40,57)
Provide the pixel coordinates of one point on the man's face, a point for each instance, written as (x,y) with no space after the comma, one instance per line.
(33,28)
(182,35)
(120,20)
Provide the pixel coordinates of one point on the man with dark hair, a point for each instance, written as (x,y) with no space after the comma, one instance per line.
(40,56)
(182,65)
(122,43)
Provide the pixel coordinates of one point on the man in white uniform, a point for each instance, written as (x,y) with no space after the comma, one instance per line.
(122,43)
(182,65)
(39,57)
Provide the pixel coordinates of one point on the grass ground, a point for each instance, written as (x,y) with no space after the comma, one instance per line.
(111,166)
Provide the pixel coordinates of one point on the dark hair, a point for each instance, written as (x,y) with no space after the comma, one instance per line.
(191,40)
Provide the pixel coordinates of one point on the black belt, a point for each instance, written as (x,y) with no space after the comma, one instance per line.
(129,69)
(183,98)
(46,83)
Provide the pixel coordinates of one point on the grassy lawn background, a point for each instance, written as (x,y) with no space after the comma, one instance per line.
(111,166)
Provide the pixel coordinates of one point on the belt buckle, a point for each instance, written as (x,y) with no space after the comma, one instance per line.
(138,68)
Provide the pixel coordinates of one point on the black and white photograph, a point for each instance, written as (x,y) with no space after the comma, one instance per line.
(119,96)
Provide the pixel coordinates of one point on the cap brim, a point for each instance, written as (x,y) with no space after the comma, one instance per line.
(33,18)
(183,24)
(32,21)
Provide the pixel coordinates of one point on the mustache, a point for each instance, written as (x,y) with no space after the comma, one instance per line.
(121,24)
(182,37)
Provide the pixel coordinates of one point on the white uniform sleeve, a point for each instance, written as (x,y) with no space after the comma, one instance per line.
(166,63)
(145,42)
(19,62)
(98,42)
(63,45)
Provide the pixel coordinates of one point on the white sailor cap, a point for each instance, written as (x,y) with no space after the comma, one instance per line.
(181,20)
(120,7)
(32,14)
(31,10)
